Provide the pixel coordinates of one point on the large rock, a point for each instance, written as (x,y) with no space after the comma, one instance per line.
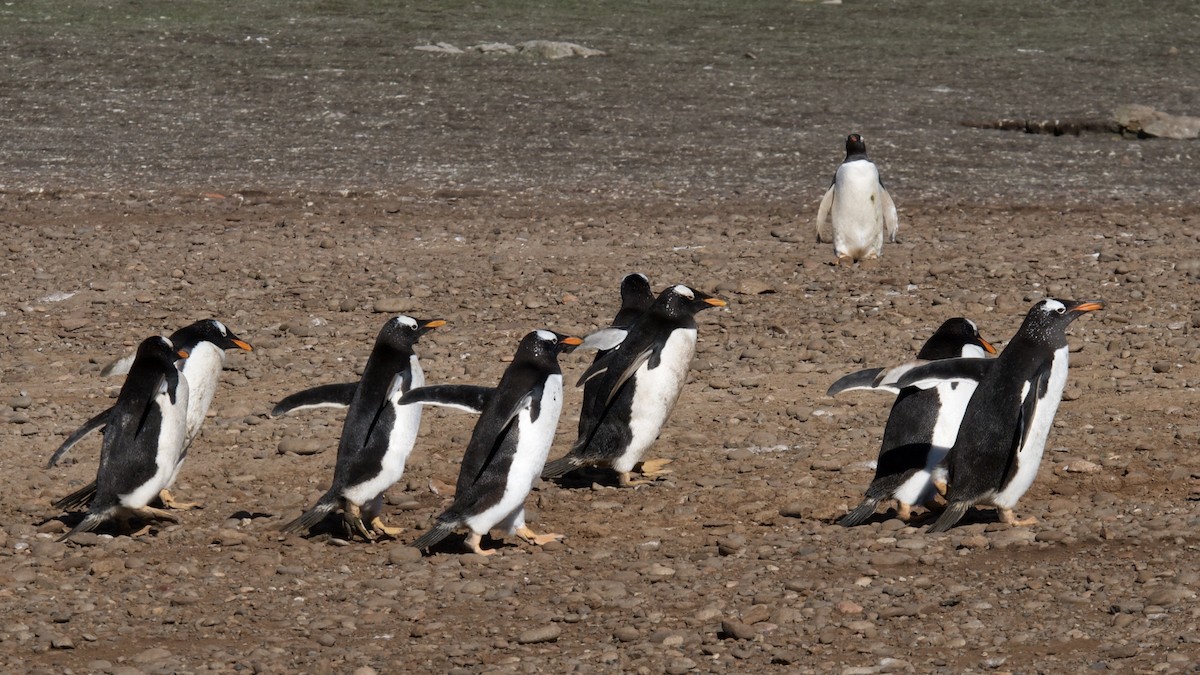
(1146,121)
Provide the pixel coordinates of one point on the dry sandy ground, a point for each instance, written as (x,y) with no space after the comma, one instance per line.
(505,196)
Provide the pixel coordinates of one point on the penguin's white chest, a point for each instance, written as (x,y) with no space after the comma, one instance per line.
(203,371)
(1029,454)
(953,398)
(857,211)
(401,438)
(172,440)
(655,392)
(529,457)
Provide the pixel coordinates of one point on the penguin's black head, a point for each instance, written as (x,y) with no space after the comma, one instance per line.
(855,145)
(208,330)
(1050,317)
(955,338)
(636,291)
(403,331)
(159,348)
(680,300)
(546,344)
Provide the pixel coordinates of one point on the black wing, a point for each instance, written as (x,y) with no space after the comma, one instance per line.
(461,396)
(82,432)
(323,396)
(946,370)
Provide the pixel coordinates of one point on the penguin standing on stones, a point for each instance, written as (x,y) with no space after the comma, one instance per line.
(378,433)
(1003,432)
(508,446)
(205,342)
(145,434)
(636,385)
(858,206)
(921,426)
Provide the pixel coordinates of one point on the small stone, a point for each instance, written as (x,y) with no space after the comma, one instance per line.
(390,305)
(848,607)
(680,666)
(151,655)
(20,401)
(398,555)
(300,446)
(547,633)
(737,630)
(626,634)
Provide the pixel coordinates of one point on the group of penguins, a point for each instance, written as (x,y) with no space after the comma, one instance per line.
(641,364)
(964,428)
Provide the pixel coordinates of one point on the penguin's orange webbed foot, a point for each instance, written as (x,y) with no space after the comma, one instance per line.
(378,527)
(169,501)
(1007,517)
(626,479)
(352,517)
(473,543)
(538,539)
(654,467)
(904,511)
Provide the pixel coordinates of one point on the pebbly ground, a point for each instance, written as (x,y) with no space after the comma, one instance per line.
(305,187)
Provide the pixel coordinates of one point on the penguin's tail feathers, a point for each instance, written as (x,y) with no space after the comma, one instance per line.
(953,513)
(439,531)
(560,467)
(860,515)
(325,506)
(90,522)
(80,498)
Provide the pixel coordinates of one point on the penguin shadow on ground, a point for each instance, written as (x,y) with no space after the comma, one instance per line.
(586,477)
(457,545)
(133,527)
(332,529)
(918,520)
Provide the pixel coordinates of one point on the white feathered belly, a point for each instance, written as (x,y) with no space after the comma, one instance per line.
(172,439)
(953,400)
(857,211)
(400,441)
(528,460)
(1029,455)
(655,395)
(203,370)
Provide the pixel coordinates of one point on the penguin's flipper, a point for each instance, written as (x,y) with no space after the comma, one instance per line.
(438,532)
(824,231)
(119,367)
(77,499)
(891,220)
(468,397)
(79,434)
(325,506)
(863,379)
(932,373)
(560,467)
(604,339)
(953,513)
(323,396)
(643,357)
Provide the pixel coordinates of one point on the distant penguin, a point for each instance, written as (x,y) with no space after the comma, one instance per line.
(1003,432)
(921,427)
(630,391)
(509,445)
(205,342)
(378,433)
(858,206)
(144,437)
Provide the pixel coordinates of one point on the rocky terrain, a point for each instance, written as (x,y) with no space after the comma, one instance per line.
(304,174)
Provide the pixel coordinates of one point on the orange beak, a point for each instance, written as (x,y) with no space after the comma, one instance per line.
(242,344)
(715,302)
(987,346)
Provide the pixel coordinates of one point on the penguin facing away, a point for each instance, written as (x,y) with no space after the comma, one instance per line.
(996,455)
(145,434)
(630,391)
(205,342)
(378,433)
(921,426)
(858,206)
(508,446)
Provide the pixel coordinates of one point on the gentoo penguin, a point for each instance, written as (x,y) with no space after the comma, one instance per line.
(858,206)
(378,433)
(1003,432)
(635,386)
(144,436)
(205,342)
(921,426)
(509,445)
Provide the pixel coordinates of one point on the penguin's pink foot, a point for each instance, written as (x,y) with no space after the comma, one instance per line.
(1007,517)
(538,539)
(473,543)
(169,501)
